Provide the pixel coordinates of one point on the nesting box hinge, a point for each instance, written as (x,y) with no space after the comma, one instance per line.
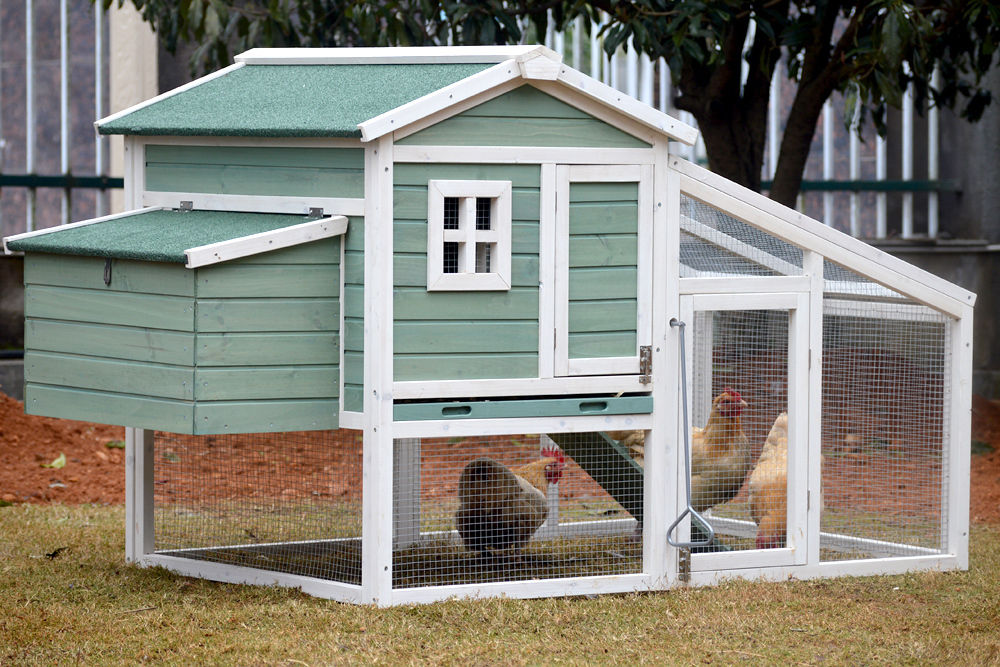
(187,205)
(645,363)
(107,272)
(315,212)
(684,565)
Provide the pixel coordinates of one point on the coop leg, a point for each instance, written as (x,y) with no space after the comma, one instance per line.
(138,493)
(406,495)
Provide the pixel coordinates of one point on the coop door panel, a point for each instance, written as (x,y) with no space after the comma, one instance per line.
(603,253)
(756,346)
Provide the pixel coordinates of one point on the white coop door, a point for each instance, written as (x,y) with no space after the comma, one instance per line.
(603,284)
(747,373)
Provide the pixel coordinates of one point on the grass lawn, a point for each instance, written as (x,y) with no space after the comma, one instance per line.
(82,603)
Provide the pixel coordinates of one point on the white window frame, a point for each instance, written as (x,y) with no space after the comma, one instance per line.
(467,236)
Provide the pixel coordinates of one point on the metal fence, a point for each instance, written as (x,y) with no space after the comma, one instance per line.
(54,168)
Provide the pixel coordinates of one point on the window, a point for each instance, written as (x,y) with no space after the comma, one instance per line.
(468,235)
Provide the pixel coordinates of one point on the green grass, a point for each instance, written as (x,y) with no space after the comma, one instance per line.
(86,605)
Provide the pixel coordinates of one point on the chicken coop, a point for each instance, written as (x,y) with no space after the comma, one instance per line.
(399,325)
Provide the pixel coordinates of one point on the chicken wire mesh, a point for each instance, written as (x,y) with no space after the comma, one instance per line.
(713,243)
(884,422)
(739,397)
(285,502)
(507,508)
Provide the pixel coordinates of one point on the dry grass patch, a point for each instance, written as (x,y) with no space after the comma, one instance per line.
(85,604)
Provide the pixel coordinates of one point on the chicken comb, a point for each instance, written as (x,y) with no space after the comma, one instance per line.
(732,392)
(554,453)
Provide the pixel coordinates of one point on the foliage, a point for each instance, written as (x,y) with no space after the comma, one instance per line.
(870,51)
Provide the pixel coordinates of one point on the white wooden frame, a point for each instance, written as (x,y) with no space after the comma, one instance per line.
(224,251)
(565,175)
(467,236)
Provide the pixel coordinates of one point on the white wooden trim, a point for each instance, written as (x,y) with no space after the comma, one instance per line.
(254,244)
(134,171)
(236,574)
(599,173)
(558,386)
(539,67)
(435,428)
(907,312)
(604,365)
(256,203)
(812,264)
(521,154)
(138,493)
(956,482)
(82,223)
(438,100)
(735,246)
(404,55)
(341,288)
(747,301)
(376,529)
(170,93)
(255,142)
(644,256)
(762,284)
(352,420)
(561,353)
(644,113)
(547,271)
(809,234)
(538,588)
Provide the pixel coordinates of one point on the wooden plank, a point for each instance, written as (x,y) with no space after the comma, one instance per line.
(99,340)
(602,344)
(463,366)
(126,275)
(600,218)
(301,314)
(354,400)
(460,337)
(354,368)
(519,303)
(609,464)
(499,131)
(615,282)
(411,236)
(410,206)
(526,102)
(241,180)
(269,280)
(321,251)
(411,270)
(260,156)
(86,305)
(101,374)
(265,416)
(520,175)
(266,382)
(595,250)
(108,408)
(266,349)
(550,407)
(583,318)
(618,193)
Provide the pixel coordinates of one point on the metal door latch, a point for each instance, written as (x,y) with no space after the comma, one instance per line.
(645,363)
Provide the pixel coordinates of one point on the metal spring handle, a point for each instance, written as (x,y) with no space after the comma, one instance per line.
(674,322)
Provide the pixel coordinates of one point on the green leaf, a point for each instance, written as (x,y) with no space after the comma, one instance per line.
(115,444)
(171,456)
(59,462)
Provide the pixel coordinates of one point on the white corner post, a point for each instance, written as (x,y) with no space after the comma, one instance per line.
(376,530)
(138,493)
(812,265)
(957,454)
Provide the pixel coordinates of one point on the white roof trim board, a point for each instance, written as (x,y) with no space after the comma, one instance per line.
(402,55)
(225,251)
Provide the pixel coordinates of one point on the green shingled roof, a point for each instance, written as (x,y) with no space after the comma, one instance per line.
(155,236)
(289,100)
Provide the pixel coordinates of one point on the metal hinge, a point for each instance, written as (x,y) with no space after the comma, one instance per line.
(645,363)
(187,205)
(315,212)
(684,565)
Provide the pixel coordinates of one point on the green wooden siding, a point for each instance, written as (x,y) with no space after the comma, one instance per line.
(256,170)
(603,278)
(524,117)
(463,335)
(253,347)
(354,316)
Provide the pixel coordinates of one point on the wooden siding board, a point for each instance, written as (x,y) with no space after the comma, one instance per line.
(265,416)
(616,282)
(519,303)
(258,315)
(106,307)
(98,340)
(463,337)
(520,175)
(108,408)
(599,218)
(602,344)
(559,407)
(353,336)
(596,250)
(526,101)
(269,280)
(410,270)
(113,375)
(584,320)
(267,349)
(259,156)
(464,366)
(126,275)
(266,382)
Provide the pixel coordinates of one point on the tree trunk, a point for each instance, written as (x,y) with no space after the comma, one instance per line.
(797,139)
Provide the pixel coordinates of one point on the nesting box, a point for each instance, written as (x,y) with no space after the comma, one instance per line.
(398,325)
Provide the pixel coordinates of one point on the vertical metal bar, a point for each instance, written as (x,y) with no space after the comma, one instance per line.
(646,79)
(558,39)
(595,51)
(29,108)
(855,170)
(881,228)
(64,127)
(933,168)
(664,86)
(549,32)
(907,158)
(828,161)
(632,72)
(613,71)
(577,42)
(773,118)
(100,155)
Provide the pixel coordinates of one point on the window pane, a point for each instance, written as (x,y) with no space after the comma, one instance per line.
(450,213)
(450,257)
(484,257)
(483,210)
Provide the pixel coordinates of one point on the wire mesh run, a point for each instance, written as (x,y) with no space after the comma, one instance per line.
(286,502)
(884,422)
(510,508)
(714,244)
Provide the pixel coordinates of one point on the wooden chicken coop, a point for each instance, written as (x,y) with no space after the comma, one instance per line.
(398,325)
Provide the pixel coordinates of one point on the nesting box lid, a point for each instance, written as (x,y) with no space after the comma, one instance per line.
(192,238)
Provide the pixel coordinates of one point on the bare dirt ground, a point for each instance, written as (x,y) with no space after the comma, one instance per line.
(93,455)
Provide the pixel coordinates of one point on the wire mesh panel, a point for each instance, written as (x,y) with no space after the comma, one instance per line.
(884,422)
(713,243)
(739,437)
(287,502)
(508,508)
